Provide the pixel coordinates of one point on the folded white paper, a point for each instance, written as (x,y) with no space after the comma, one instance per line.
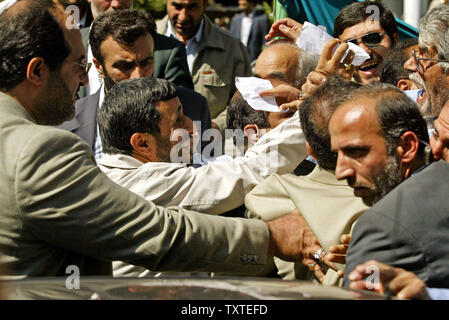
(413,94)
(250,87)
(312,39)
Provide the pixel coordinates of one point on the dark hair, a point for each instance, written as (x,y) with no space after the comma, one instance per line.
(406,43)
(392,68)
(315,113)
(124,25)
(357,12)
(129,107)
(240,114)
(25,33)
(396,114)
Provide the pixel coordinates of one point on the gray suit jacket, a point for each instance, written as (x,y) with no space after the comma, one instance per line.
(408,228)
(58,209)
(259,28)
(84,123)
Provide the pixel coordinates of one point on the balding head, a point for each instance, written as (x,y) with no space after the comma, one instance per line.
(380,137)
(284,62)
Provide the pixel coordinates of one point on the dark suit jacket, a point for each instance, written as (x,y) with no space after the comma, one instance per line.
(85,121)
(170,61)
(408,228)
(259,28)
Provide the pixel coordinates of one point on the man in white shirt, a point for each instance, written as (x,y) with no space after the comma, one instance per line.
(250,27)
(137,122)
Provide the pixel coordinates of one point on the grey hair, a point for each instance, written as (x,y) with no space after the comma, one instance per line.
(434,31)
(306,62)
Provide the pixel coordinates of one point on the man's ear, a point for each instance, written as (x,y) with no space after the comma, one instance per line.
(98,66)
(38,72)
(250,131)
(403,84)
(407,149)
(310,151)
(141,143)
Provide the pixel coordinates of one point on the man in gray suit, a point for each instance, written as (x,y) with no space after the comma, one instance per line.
(381,139)
(123,44)
(59,210)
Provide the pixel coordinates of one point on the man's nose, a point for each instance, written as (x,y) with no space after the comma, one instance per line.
(410,65)
(137,73)
(343,170)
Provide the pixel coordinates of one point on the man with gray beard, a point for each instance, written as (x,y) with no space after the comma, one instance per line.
(430,62)
(381,140)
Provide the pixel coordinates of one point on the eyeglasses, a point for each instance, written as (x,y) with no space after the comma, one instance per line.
(371,40)
(417,59)
(84,66)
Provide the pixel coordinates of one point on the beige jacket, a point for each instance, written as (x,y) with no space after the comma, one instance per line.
(220,58)
(328,205)
(58,209)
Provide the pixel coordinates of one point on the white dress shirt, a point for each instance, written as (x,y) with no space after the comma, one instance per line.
(192,44)
(98,147)
(247,22)
(217,187)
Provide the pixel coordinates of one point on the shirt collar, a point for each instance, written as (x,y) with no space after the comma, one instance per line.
(196,37)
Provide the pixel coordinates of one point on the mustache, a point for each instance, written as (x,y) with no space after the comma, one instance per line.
(353,184)
(414,76)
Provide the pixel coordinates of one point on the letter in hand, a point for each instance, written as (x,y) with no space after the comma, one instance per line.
(329,64)
(399,282)
(291,239)
(287,93)
(286,28)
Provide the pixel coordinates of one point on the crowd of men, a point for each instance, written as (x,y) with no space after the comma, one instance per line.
(111,138)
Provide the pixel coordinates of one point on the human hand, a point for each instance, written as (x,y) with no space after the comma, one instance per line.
(287,93)
(338,252)
(401,283)
(329,64)
(291,239)
(286,28)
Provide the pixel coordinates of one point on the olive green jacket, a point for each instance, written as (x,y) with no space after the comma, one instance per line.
(58,209)
(220,58)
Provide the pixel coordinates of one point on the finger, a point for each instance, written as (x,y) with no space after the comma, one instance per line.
(345,239)
(326,54)
(349,57)
(289,32)
(334,63)
(325,259)
(292,106)
(407,285)
(316,77)
(339,248)
(341,273)
(319,274)
(337,258)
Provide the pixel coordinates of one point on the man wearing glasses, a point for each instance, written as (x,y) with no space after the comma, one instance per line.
(431,61)
(372,27)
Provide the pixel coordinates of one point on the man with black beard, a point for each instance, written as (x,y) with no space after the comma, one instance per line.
(381,140)
(123,45)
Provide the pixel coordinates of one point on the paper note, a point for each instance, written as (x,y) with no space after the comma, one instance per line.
(313,38)
(250,87)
